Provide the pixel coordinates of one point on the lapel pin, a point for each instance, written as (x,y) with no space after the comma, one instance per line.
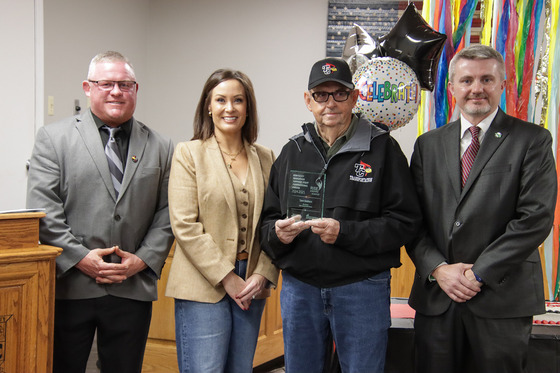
(498,135)
(134,159)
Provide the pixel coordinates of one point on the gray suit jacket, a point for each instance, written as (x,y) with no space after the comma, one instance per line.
(70,178)
(497,222)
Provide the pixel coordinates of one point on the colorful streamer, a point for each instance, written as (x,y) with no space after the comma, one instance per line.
(511,75)
(553,113)
(525,62)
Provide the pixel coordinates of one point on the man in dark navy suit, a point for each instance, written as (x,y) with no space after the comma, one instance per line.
(478,272)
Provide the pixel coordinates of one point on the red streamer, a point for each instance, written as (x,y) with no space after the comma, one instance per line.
(523,103)
(556,225)
(511,81)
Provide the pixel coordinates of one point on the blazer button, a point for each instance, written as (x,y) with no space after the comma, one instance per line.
(117,217)
(457,223)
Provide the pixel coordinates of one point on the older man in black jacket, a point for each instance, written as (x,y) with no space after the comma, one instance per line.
(337,243)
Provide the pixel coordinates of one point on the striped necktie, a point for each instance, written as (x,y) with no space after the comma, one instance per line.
(114,160)
(469,155)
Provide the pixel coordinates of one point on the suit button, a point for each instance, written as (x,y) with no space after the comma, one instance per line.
(457,223)
(117,217)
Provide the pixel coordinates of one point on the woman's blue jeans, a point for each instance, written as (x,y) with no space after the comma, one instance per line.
(357,316)
(217,337)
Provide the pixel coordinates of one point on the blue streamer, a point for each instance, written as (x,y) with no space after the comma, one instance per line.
(466,14)
(501,39)
(440,96)
(538,10)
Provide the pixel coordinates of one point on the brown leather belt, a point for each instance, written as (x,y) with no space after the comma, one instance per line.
(244,255)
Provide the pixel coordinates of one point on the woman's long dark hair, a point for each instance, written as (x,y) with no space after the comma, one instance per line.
(203,124)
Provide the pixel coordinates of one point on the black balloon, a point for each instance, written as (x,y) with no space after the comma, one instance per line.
(415,43)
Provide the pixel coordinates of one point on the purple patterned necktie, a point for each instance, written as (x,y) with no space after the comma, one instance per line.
(469,155)
(113,154)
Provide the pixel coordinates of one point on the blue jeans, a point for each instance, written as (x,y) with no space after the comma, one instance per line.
(217,337)
(356,315)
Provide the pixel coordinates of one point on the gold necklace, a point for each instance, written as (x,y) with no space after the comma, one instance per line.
(232,157)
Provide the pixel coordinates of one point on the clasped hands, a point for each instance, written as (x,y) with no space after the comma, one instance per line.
(95,267)
(457,281)
(244,291)
(327,229)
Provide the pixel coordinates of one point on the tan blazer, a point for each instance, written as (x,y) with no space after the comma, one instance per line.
(203,215)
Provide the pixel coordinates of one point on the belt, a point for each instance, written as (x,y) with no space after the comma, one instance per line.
(244,255)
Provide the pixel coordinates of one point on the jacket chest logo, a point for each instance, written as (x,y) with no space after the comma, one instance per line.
(361,174)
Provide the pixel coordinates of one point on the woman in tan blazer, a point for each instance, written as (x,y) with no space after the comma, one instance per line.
(219,276)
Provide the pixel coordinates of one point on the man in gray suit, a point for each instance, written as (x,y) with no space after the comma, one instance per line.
(478,273)
(114,229)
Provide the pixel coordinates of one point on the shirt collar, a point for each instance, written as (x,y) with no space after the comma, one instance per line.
(126,127)
(345,136)
(483,125)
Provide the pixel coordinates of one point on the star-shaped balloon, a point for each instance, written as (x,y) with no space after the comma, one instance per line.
(359,48)
(415,43)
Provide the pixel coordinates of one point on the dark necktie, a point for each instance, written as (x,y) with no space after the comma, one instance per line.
(469,155)
(114,160)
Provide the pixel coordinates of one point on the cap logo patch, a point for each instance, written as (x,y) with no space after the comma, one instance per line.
(329,69)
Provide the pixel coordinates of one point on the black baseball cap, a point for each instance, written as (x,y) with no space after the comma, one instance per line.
(330,70)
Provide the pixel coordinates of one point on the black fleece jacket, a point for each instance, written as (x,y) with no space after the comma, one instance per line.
(369,190)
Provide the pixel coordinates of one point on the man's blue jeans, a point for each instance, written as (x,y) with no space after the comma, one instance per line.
(217,337)
(357,315)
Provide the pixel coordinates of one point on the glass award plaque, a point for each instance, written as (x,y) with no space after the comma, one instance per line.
(306,194)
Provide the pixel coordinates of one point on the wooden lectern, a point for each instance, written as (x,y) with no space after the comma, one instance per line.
(27,286)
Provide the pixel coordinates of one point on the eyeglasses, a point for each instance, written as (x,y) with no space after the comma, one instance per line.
(338,96)
(108,85)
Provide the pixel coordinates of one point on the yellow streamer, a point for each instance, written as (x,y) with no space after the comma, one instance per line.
(420,128)
(521,4)
(541,86)
(426,12)
(552,32)
(454,17)
(486,10)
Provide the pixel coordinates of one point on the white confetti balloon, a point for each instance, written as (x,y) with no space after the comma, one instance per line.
(389,91)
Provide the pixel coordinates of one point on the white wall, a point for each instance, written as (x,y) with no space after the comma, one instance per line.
(17,98)
(273,42)
(176,44)
(75,31)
